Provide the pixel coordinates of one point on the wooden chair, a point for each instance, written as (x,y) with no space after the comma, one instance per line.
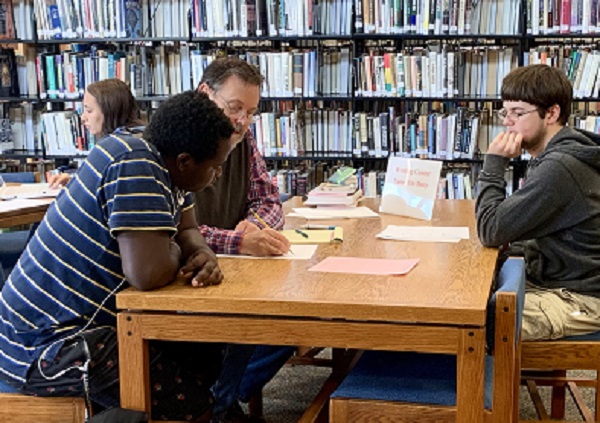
(408,387)
(18,408)
(546,363)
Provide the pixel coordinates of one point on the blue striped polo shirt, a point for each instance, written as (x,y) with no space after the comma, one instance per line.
(71,268)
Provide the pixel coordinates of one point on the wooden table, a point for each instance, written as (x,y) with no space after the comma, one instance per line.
(439,306)
(28,211)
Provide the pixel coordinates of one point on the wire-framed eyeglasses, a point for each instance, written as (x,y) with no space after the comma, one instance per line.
(235,110)
(513,115)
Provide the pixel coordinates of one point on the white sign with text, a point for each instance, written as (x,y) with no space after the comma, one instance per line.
(410,187)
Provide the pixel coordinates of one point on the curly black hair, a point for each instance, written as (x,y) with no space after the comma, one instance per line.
(191,123)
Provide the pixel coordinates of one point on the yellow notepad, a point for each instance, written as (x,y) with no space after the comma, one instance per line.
(315,236)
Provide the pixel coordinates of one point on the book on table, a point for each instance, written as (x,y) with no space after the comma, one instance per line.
(331,194)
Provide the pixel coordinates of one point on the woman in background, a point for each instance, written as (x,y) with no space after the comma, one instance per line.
(108,105)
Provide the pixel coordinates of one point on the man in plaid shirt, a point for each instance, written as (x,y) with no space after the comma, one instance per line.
(241,214)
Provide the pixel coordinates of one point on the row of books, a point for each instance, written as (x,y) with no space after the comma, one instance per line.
(162,70)
(457,135)
(306,73)
(56,133)
(460,183)
(454,183)
(454,136)
(462,134)
(64,19)
(304,132)
(438,70)
(21,129)
(249,18)
(590,123)
(67,19)
(563,17)
(16,19)
(580,64)
(438,17)
(63,134)
(168,18)
(167,69)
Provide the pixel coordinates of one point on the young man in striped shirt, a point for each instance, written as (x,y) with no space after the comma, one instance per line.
(57,308)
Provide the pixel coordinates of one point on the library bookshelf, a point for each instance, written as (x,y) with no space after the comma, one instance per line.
(346,82)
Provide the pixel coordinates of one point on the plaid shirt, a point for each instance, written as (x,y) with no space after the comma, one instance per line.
(263,198)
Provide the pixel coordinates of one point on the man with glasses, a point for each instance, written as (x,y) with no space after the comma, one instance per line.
(227,211)
(554,219)
(241,214)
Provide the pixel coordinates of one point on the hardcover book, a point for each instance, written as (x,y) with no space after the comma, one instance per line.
(7,28)
(133,19)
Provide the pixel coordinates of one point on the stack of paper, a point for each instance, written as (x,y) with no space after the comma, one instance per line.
(331,194)
(425,233)
(333,212)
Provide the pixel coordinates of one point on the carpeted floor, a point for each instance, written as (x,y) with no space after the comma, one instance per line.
(290,392)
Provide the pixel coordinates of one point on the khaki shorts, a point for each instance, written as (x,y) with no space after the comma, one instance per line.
(556,313)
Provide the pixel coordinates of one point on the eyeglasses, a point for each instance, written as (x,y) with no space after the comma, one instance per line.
(236,111)
(512,115)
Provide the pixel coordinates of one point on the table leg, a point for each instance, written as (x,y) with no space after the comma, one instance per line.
(133,363)
(470,376)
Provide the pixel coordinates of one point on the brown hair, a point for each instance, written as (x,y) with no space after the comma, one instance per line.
(116,103)
(540,85)
(220,70)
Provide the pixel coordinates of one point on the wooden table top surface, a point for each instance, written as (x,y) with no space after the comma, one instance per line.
(23,212)
(450,284)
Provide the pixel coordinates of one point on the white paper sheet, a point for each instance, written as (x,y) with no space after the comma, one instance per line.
(297,252)
(17,204)
(333,212)
(40,190)
(425,233)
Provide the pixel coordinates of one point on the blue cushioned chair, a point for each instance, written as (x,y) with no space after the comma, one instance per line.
(15,407)
(547,362)
(21,177)
(408,386)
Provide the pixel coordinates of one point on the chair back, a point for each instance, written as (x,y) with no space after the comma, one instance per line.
(510,278)
(504,334)
(21,177)
(382,382)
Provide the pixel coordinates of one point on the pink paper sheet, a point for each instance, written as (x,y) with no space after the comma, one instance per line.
(365,266)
